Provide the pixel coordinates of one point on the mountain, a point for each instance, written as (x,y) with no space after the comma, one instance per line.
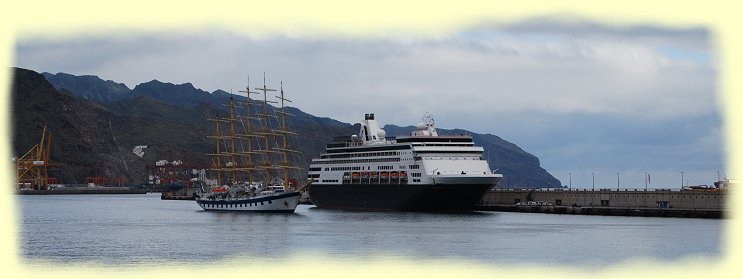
(97,137)
(184,95)
(89,87)
(83,137)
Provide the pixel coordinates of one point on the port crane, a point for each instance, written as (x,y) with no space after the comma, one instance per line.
(32,166)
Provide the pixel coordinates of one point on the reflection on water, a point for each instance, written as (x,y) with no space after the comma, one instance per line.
(135,229)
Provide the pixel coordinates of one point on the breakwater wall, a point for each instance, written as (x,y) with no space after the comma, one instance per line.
(623,202)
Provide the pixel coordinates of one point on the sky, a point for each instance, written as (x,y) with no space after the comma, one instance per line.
(592,102)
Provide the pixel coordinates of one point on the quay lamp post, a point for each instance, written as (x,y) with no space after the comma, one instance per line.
(593,181)
(682,179)
(593,186)
(570,178)
(646,180)
(617,181)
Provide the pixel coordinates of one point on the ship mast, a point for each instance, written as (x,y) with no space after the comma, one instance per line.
(266,130)
(284,149)
(218,138)
(249,133)
(233,165)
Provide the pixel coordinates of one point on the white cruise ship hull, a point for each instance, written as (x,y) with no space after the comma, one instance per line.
(282,202)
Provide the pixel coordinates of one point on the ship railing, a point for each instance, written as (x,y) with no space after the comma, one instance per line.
(344,144)
(667,190)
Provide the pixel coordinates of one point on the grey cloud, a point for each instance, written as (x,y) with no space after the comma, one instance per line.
(527,82)
(697,37)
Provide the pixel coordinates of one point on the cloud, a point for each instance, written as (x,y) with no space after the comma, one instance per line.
(526,82)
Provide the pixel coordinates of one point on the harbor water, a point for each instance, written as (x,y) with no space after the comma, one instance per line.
(124,230)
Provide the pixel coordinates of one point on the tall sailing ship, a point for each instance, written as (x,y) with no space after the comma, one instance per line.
(252,161)
(424,171)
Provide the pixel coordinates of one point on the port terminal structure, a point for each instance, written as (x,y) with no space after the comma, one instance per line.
(32,167)
(177,180)
(699,203)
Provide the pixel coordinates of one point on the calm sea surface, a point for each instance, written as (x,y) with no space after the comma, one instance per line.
(138,229)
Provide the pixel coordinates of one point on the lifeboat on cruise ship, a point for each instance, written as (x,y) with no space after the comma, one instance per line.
(393,174)
(403,174)
(384,174)
(374,174)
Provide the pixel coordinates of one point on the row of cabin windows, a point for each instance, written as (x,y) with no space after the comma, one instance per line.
(342,168)
(330,180)
(402,167)
(443,144)
(415,174)
(353,155)
(449,158)
(357,161)
(653,196)
(370,180)
(234,205)
(345,168)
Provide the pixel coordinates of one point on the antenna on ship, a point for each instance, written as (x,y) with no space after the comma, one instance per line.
(428,119)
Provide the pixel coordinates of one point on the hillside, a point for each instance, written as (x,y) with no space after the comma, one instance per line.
(83,133)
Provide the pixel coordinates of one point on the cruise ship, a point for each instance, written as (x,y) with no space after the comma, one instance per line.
(423,171)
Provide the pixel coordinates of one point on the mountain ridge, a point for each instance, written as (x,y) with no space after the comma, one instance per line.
(89,87)
(171,120)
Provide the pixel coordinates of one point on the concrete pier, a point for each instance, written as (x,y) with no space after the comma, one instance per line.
(624,202)
(83,190)
(186,193)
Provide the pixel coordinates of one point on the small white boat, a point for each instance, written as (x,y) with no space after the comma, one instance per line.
(253,198)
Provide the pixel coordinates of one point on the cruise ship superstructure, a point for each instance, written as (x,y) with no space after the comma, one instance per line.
(423,171)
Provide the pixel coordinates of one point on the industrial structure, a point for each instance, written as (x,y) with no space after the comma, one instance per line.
(164,172)
(32,167)
(175,179)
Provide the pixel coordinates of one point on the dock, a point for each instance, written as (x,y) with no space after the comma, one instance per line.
(609,202)
(186,193)
(83,190)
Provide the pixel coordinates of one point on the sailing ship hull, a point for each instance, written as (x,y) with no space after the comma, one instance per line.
(390,197)
(279,203)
